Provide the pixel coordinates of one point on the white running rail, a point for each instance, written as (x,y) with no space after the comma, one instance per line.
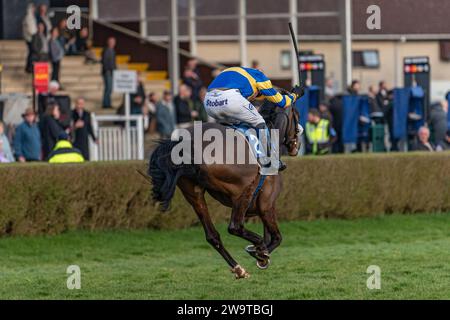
(115,141)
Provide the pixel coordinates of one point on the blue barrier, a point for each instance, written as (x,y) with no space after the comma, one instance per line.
(350,118)
(311,99)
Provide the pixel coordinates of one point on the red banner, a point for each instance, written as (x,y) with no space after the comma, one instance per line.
(41,77)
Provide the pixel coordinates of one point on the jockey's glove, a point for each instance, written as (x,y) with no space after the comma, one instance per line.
(299,91)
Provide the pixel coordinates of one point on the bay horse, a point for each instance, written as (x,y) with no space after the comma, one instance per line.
(234,185)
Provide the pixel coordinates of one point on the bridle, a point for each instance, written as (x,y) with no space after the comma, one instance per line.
(292,129)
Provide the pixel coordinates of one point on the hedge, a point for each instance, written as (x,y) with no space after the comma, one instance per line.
(50,199)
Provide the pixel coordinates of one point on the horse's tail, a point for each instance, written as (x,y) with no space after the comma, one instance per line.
(164,174)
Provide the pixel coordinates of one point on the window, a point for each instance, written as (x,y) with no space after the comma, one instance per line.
(285,60)
(366,59)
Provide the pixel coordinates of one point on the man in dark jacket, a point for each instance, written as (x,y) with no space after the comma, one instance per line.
(423,143)
(50,129)
(438,120)
(165,115)
(444,145)
(184,107)
(108,66)
(39,45)
(82,128)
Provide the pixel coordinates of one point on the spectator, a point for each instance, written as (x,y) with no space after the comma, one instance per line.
(192,64)
(64,152)
(39,45)
(444,145)
(325,112)
(184,107)
(50,128)
(376,113)
(82,128)
(5,146)
(149,111)
(329,89)
(354,88)
(423,143)
(66,38)
(30,28)
(438,120)
(320,135)
(44,99)
(56,51)
(165,115)
(81,42)
(336,108)
(382,96)
(108,66)
(3,158)
(42,17)
(138,99)
(27,140)
(255,64)
(193,81)
(388,111)
(199,106)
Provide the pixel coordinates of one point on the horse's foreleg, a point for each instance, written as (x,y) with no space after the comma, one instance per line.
(236,227)
(271,227)
(267,236)
(195,196)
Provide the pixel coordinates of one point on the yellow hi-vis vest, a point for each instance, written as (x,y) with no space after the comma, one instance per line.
(64,152)
(317,134)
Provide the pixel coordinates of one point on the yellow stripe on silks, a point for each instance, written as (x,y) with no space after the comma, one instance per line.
(275,98)
(245,74)
(288,101)
(264,85)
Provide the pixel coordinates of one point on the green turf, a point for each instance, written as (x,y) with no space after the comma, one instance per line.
(324,259)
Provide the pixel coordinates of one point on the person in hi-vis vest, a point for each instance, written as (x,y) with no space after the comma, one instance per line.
(64,152)
(320,135)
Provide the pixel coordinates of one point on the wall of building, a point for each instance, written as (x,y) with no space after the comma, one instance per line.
(268,54)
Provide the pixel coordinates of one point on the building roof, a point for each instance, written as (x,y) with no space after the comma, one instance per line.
(415,19)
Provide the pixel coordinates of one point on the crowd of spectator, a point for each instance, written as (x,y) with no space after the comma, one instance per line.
(35,140)
(49,43)
(321,139)
(44,137)
(163,113)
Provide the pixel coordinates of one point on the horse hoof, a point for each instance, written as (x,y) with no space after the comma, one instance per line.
(240,272)
(263,265)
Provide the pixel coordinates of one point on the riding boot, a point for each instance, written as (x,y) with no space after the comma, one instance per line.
(267,148)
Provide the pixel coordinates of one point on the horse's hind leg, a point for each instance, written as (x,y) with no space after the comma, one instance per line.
(195,195)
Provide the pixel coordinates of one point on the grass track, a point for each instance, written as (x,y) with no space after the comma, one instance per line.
(325,259)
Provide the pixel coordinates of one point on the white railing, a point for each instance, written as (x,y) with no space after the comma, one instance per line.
(123,141)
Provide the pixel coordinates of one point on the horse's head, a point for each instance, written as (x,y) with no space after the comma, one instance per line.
(292,131)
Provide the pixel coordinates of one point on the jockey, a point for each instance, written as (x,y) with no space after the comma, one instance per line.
(230,95)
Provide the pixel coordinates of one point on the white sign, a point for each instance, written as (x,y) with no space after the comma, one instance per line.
(124,81)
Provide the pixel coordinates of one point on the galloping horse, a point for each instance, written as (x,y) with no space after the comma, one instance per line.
(237,186)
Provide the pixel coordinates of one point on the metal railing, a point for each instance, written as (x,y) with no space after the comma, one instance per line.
(115,142)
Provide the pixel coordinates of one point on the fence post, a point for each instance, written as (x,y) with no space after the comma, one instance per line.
(140,138)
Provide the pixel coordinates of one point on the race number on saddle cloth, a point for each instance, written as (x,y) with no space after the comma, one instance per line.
(229,101)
